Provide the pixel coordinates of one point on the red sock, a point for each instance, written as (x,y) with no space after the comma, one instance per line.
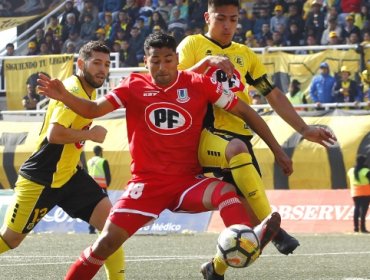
(232,211)
(85,267)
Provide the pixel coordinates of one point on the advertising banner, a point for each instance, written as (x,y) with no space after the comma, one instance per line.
(307,211)
(59,221)
(302,211)
(5,197)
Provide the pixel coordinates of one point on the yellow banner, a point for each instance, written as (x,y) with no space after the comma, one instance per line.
(17,142)
(20,70)
(367,57)
(314,166)
(283,67)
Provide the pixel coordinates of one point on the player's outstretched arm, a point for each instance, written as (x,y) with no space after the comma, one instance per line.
(259,126)
(282,106)
(55,89)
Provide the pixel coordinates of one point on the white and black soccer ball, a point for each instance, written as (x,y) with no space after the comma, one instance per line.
(238,245)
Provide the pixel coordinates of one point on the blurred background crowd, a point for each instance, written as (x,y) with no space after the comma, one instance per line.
(124,24)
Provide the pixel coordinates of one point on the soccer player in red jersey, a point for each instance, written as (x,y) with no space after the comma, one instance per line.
(164,113)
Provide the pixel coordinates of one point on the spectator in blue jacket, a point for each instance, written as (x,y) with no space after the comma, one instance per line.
(111,6)
(322,86)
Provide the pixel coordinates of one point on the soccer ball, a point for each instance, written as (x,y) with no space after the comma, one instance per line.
(238,246)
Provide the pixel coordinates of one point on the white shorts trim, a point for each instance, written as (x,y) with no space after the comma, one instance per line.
(133,211)
(188,190)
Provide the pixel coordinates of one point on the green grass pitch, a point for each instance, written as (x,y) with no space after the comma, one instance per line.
(321,256)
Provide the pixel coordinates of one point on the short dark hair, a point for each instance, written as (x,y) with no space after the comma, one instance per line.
(159,40)
(32,79)
(360,163)
(9,45)
(97,150)
(87,49)
(219,3)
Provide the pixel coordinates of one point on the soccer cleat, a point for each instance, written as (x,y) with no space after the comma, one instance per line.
(209,273)
(285,243)
(268,229)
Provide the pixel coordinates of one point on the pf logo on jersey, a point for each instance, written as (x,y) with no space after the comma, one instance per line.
(167,118)
(234,83)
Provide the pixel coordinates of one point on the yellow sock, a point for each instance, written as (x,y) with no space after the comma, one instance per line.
(3,246)
(219,265)
(250,184)
(115,265)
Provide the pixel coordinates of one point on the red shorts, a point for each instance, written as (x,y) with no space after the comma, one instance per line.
(145,199)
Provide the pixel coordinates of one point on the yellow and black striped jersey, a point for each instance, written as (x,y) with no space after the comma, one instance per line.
(54,164)
(248,70)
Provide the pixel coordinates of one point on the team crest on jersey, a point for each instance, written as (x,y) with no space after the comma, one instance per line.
(182,95)
(167,118)
(239,60)
(74,89)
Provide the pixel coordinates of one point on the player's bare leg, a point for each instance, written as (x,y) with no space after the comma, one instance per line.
(93,257)
(114,265)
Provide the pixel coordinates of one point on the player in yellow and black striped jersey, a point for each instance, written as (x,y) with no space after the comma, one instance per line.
(51,175)
(226,141)
(53,164)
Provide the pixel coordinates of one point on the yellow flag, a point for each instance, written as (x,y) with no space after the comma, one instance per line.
(20,71)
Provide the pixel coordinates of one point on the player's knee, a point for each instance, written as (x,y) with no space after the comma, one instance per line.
(235,147)
(109,243)
(222,192)
(228,188)
(105,247)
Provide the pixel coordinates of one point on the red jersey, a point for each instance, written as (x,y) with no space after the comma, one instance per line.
(164,124)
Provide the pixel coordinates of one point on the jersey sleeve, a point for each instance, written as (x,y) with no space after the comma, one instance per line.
(257,75)
(257,69)
(118,96)
(186,51)
(218,95)
(62,114)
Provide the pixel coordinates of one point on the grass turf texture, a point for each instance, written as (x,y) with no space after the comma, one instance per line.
(322,256)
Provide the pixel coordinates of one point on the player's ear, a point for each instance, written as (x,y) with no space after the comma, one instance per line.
(206,17)
(80,63)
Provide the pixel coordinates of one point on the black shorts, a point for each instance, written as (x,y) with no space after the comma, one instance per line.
(32,201)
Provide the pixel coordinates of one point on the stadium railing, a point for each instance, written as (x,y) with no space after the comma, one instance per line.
(38,115)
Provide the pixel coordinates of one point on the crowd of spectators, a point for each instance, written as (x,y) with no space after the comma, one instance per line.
(124,24)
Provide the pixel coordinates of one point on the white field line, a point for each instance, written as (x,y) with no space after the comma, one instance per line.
(148,258)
